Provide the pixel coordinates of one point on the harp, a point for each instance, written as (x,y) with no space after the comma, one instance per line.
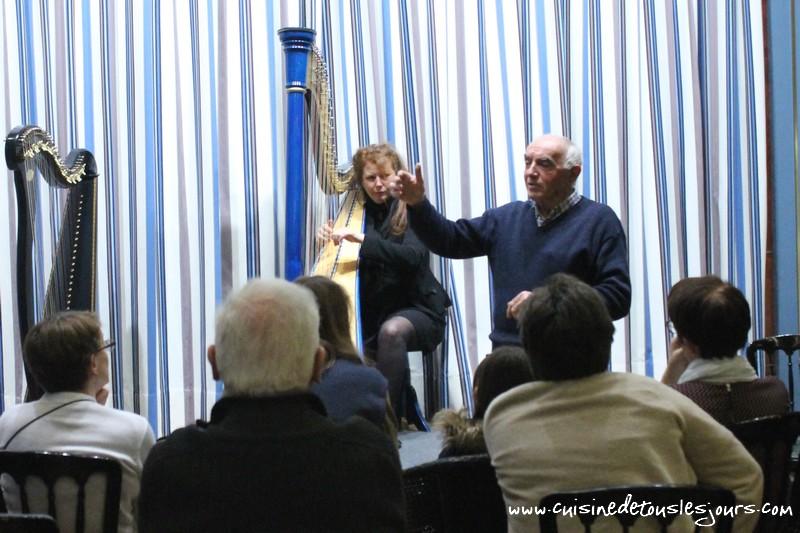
(72,278)
(315,186)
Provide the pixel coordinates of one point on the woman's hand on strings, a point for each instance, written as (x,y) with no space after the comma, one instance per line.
(346,234)
(407,187)
(324,233)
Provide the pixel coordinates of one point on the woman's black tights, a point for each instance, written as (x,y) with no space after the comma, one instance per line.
(396,337)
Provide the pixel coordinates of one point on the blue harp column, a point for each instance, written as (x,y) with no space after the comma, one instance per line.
(297,44)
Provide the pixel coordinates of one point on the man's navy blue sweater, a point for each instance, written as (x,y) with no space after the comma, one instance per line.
(586,241)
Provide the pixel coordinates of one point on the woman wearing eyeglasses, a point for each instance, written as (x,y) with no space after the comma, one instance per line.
(68,357)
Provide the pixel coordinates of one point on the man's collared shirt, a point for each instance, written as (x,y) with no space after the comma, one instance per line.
(558,210)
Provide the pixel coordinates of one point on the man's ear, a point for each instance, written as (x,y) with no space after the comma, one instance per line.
(575,172)
(320,359)
(93,365)
(212,360)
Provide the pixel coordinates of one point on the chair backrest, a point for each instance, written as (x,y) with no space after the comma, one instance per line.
(788,344)
(49,467)
(770,440)
(454,494)
(27,523)
(659,496)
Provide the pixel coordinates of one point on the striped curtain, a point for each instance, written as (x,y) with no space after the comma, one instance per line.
(182,104)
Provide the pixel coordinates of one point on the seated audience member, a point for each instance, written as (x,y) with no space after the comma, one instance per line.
(270,459)
(579,426)
(711,320)
(503,369)
(348,387)
(68,357)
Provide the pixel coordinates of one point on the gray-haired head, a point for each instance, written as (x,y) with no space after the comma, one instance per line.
(267,336)
(572,156)
(571,153)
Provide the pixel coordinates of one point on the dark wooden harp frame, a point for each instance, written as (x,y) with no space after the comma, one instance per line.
(73,275)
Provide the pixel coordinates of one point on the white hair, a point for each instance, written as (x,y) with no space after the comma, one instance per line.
(572,155)
(267,335)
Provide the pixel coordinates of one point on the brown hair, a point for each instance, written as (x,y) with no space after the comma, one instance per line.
(500,371)
(374,153)
(334,317)
(711,313)
(566,330)
(59,349)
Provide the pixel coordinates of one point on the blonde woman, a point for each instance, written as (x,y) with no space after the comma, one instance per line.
(402,304)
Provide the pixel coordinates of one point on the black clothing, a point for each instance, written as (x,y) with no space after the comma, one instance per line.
(273,463)
(394,274)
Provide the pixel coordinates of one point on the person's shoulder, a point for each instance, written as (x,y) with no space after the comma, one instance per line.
(352,374)
(770,381)
(183,441)
(639,382)
(13,411)
(596,209)
(353,367)
(10,416)
(510,211)
(516,398)
(516,206)
(357,433)
(123,418)
(655,394)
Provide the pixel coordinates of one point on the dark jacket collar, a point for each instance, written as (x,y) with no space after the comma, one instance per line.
(378,211)
(289,410)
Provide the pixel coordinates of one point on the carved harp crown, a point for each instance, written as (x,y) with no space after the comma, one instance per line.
(72,278)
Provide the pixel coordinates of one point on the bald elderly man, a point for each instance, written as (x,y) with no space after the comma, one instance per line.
(555,230)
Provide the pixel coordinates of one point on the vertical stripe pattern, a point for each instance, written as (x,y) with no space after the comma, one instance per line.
(182,105)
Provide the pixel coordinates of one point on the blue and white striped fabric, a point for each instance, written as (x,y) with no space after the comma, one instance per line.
(182,105)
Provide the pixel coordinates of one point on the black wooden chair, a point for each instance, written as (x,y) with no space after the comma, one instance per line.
(659,496)
(24,468)
(455,494)
(27,523)
(435,384)
(788,344)
(770,441)
(434,390)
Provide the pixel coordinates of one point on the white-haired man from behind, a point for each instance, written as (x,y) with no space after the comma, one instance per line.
(269,458)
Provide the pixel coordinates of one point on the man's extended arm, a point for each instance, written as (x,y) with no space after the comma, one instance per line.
(457,240)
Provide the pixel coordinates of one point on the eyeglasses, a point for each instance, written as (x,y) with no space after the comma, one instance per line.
(671,329)
(108,344)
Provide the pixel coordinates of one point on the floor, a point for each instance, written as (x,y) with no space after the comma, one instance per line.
(417,447)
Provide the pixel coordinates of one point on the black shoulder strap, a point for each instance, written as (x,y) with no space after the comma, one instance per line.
(17,432)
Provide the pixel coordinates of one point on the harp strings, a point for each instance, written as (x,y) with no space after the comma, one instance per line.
(323,200)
